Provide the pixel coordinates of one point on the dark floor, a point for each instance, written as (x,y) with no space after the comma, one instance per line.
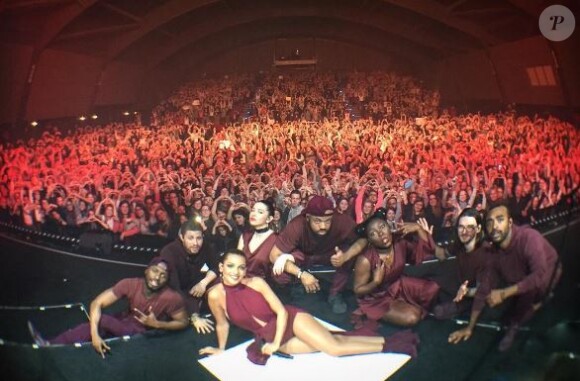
(33,277)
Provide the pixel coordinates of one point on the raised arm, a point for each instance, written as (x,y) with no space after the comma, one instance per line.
(103,300)
(216,300)
(281,314)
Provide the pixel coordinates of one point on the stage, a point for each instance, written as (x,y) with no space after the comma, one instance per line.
(33,277)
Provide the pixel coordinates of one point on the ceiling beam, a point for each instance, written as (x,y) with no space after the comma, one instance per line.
(94,32)
(381,23)
(153,20)
(31,4)
(121,12)
(440,13)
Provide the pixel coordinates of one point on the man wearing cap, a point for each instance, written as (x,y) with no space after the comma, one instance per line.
(317,236)
(152,305)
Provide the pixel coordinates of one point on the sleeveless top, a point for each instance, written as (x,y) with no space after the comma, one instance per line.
(243,305)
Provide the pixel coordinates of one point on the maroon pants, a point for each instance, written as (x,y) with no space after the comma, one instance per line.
(109,326)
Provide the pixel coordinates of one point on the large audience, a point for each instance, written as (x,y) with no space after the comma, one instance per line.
(202,157)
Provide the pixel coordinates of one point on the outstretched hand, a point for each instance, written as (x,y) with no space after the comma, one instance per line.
(202,325)
(461,335)
(422,222)
(461,292)
(100,346)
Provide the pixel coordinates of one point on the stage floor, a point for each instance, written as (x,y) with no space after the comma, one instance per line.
(35,277)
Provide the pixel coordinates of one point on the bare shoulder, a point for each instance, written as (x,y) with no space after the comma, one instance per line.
(362,260)
(216,292)
(256,283)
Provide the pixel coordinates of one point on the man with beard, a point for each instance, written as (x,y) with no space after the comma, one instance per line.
(188,257)
(470,251)
(318,236)
(152,305)
(524,263)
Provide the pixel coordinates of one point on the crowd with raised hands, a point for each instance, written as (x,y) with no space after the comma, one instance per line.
(379,95)
(303,184)
(136,180)
(208,100)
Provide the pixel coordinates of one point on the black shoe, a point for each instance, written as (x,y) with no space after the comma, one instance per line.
(508,339)
(337,303)
(36,336)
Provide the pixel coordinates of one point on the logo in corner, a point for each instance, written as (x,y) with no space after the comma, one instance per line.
(557,23)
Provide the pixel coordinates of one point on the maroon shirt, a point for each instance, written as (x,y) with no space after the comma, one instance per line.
(474,267)
(529,260)
(297,235)
(164,303)
(258,261)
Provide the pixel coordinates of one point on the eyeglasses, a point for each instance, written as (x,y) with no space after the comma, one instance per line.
(469,228)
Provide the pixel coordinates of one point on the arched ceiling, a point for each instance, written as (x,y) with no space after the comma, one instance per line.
(174,36)
(153,31)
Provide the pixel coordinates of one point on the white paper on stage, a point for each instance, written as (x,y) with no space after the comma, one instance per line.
(233,365)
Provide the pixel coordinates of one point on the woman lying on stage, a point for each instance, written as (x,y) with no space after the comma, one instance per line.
(250,303)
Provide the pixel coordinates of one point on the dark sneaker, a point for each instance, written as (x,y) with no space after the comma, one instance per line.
(508,339)
(36,336)
(337,303)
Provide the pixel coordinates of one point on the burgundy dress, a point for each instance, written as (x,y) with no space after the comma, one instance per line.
(243,306)
(258,262)
(396,286)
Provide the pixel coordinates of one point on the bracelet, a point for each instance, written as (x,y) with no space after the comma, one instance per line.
(299,275)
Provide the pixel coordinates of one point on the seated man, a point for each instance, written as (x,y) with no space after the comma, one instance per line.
(152,305)
(187,256)
(527,266)
(317,237)
(471,251)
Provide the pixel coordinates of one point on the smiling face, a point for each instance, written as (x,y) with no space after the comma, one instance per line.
(156,276)
(233,268)
(499,225)
(379,234)
(467,229)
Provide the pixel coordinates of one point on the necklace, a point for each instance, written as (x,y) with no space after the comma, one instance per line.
(387,258)
(262,230)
